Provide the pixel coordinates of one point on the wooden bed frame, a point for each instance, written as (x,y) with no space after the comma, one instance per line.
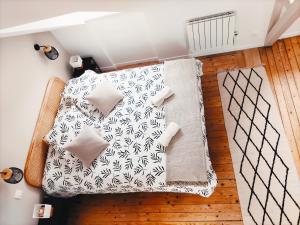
(35,162)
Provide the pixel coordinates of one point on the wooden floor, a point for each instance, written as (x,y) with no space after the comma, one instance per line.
(282,62)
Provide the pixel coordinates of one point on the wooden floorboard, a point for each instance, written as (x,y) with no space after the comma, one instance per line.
(282,63)
(286,101)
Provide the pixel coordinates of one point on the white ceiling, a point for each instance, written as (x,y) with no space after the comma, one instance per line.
(67,20)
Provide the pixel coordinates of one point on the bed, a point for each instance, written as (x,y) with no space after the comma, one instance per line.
(134,161)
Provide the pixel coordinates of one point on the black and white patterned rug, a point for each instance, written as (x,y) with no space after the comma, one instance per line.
(267,180)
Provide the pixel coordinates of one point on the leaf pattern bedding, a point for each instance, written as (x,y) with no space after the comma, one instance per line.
(134,161)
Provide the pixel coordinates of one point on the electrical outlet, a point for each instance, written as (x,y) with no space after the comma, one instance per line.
(18,194)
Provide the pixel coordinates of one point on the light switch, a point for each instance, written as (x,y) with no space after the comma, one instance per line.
(18,194)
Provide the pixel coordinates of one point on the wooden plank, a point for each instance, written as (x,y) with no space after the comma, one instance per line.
(212,109)
(240,59)
(218,63)
(217,121)
(211,104)
(216,133)
(214,113)
(296,47)
(220,157)
(290,78)
(98,207)
(223,174)
(162,217)
(222,195)
(75,221)
(215,126)
(293,62)
(226,182)
(264,60)
(218,145)
(209,81)
(217,139)
(252,57)
(212,92)
(283,106)
(288,96)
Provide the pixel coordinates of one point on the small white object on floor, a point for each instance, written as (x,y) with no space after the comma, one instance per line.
(75,61)
(168,134)
(42,211)
(18,194)
(159,98)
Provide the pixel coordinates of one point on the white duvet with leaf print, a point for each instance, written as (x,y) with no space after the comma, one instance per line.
(134,161)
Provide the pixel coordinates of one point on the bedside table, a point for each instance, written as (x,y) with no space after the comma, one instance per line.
(88,63)
(60,207)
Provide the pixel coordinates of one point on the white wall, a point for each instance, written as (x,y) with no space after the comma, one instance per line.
(293,30)
(157,30)
(144,30)
(24,73)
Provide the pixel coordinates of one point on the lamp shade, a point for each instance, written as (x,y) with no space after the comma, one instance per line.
(51,52)
(12,175)
(48,50)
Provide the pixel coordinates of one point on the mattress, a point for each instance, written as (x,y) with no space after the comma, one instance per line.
(134,161)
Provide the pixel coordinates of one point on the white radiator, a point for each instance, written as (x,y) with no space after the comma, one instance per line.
(211,34)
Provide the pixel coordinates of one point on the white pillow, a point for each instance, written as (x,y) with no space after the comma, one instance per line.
(105,97)
(87,145)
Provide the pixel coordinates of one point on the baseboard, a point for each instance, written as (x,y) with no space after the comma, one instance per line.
(232,49)
(108,68)
(288,35)
(174,57)
(115,66)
